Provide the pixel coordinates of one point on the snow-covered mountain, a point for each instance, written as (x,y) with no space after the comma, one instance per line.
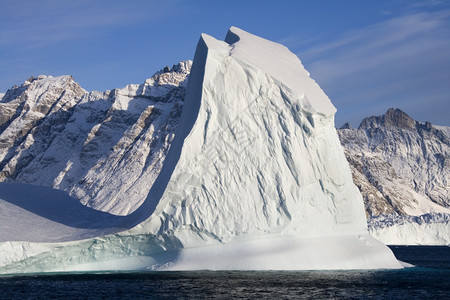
(402,168)
(105,149)
(251,174)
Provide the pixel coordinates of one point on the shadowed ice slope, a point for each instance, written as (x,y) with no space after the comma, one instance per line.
(41,214)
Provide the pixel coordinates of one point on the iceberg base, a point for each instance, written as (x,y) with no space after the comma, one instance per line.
(274,253)
(287,253)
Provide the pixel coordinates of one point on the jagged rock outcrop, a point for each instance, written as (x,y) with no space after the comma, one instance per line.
(402,168)
(399,164)
(104,148)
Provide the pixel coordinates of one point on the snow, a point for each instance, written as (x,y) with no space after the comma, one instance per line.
(284,66)
(40,214)
(103,148)
(428,229)
(1,96)
(444,129)
(401,165)
(255,179)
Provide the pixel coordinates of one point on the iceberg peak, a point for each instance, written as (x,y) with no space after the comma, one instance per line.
(283,65)
(256,160)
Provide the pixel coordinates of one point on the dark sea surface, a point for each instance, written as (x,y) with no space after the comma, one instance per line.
(430,279)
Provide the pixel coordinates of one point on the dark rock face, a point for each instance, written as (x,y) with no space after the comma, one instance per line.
(394,117)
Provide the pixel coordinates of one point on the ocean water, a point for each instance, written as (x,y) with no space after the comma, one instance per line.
(430,278)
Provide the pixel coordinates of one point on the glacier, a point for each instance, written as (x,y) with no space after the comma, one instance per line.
(255,179)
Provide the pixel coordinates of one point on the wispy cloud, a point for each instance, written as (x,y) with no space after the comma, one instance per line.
(71,37)
(427,3)
(391,63)
(382,36)
(39,23)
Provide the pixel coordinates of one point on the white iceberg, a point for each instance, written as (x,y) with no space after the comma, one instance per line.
(255,179)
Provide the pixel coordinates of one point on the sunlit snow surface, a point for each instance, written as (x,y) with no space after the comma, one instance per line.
(255,179)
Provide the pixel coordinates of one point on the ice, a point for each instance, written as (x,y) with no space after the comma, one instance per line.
(263,254)
(255,179)
(282,65)
(41,214)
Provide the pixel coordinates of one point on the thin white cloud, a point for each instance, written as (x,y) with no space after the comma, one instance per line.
(383,34)
(403,59)
(39,23)
(427,3)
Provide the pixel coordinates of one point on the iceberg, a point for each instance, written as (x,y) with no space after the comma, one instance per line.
(255,179)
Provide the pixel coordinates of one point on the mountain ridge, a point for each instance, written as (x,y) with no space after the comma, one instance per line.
(400,165)
(414,155)
(54,133)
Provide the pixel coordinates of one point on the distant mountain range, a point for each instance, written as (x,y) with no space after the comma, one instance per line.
(402,168)
(106,151)
(400,165)
(103,148)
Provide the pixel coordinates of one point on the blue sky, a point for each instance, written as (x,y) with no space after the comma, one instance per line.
(368,56)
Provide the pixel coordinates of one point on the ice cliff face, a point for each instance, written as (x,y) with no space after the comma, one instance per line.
(260,154)
(255,177)
(104,149)
(402,168)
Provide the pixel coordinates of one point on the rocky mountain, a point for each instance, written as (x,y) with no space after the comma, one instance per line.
(104,148)
(402,168)
(400,165)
